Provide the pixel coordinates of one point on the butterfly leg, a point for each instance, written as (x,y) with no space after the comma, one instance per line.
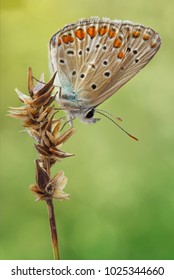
(70,121)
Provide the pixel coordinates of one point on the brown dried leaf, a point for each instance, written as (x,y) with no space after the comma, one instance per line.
(34,133)
(57,127)
(46,87)
(24,98)
(18,116)
(59,153)
(43,99)
(64,137)
(46,115)
(46,140)
(51,137)
(39,194)
(42,178)
(42,150)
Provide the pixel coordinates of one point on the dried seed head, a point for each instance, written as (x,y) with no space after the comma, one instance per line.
(37,116)
(47,189)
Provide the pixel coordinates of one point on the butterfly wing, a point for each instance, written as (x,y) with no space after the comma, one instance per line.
(94,58)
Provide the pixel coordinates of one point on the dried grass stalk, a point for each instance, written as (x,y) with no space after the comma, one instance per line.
(38,117)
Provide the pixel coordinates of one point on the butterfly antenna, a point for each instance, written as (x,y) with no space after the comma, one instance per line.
(113,116)
(130,135)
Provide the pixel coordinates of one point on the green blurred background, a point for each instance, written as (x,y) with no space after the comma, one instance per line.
(122,192)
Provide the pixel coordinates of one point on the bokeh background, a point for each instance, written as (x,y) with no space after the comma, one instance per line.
(122,191)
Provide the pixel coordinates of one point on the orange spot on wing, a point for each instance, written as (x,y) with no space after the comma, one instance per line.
(80,34)
(145,37)
(112,33)
(70,38)
(136,34)
(92,31)
(67,38)
(59,41)
(102,30)
(153,45)
(117,43)
(120,55)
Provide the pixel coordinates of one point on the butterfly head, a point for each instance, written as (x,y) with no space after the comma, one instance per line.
(85,115)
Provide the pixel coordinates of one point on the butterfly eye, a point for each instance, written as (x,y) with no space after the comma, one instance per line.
(90,114)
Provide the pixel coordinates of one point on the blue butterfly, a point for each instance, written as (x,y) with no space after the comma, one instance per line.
(94,58)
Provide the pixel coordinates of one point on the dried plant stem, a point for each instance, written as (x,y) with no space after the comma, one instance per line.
(38,117)
(53,229)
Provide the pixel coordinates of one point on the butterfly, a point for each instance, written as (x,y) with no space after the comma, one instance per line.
(94,58)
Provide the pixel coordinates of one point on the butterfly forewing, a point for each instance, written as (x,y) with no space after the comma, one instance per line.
(95,57)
